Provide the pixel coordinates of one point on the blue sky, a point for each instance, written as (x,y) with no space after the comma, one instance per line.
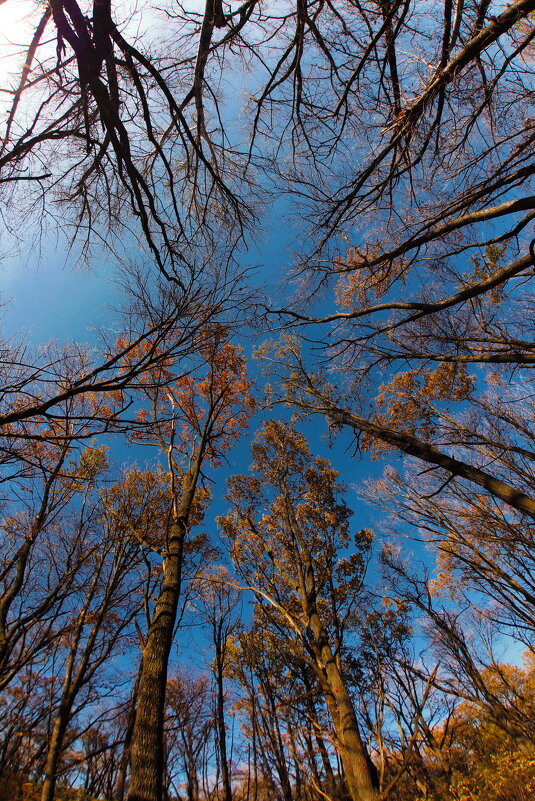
(48,299)
(45,297)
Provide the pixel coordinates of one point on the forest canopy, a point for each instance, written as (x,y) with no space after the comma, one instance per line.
(270,535)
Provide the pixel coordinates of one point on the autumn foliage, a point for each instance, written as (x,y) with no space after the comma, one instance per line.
(349,617)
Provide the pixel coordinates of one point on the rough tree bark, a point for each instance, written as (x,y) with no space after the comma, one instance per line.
(147,752)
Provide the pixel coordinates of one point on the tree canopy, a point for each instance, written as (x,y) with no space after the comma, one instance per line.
(347,619)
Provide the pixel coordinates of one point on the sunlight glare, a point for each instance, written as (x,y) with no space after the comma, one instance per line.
(17,22)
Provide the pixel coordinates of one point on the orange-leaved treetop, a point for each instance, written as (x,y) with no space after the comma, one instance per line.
(289,528)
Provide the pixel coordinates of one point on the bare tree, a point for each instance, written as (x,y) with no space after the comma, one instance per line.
(118,123)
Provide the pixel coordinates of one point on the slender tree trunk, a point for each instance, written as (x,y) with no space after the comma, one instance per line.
(221,730)
(76,677)
(193,779)
(147,747)
(274,736)
(320,743)
(311,759)
(71,684)
(327,767)
(297,784)
(125,756)
(254,727)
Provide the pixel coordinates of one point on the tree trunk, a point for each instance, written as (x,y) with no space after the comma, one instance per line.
(274,737)
(147,747)
(225,777)
(360,772)
(327,767)
(54,751)
(125,756)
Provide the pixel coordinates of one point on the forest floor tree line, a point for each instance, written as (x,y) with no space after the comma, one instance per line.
(285,651)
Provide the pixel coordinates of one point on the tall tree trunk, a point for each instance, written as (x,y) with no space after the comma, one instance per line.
(54,752)
(71,684)
(147,747)
(125,756)
(192,778)
(254,729)
(360,772)
(320,743)
(274,737)
(221,730)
